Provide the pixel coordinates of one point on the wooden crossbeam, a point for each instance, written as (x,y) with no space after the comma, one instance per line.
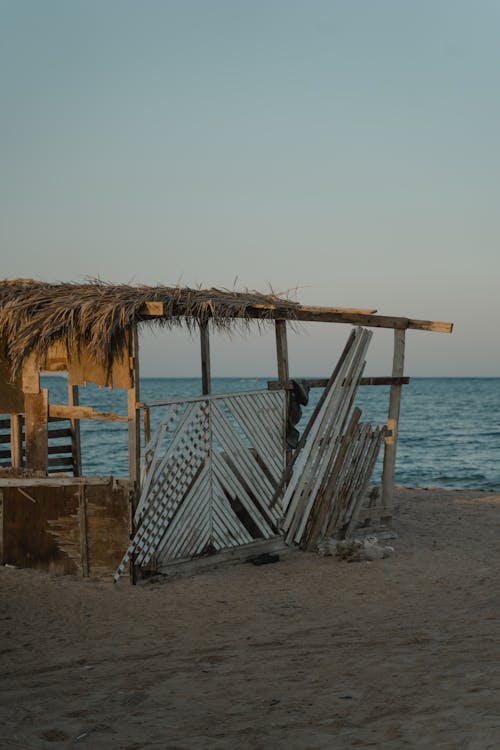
(308,313)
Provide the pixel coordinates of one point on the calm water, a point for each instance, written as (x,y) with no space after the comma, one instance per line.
(449,427)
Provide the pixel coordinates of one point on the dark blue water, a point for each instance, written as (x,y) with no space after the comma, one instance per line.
(449,432)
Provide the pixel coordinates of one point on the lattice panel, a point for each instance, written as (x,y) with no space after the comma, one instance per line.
(212,468)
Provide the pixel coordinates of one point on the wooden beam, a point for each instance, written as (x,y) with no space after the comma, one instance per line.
(282,352)
(73,400)
(308,313)
(206,384)
(61,411)
(152,309)
(391,438)
(275,385)
(36,430)
(134,426)
(16,440)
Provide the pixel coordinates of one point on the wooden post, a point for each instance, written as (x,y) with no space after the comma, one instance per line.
(282,352)
(393,420)
(16,440)
(134,426)
(76,451)
(84,533)
(206,385)
(283,372)
(36,430)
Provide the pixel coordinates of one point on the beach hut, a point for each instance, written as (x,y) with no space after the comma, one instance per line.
(216,470)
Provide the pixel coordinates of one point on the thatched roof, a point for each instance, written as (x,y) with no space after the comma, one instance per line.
(95,315)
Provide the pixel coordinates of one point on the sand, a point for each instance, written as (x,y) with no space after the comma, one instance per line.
(307,653)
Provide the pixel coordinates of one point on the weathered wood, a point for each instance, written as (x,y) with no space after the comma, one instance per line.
(63,411)
(282,351)
(31,376)
(356,319)
(84,540)
(206,385)
(363,477)
(134,427)
(47,520)
(319,451)
(393,420)
(147,425)
(307,313)
(274,385)
(36,430)
(322,507)
(312,419)
(208,486)
(244,553)
(16,440)
(73,400)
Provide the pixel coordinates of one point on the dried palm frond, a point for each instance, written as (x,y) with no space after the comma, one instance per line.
(97,315)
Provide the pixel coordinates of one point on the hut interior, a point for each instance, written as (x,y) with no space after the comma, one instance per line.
(222,475)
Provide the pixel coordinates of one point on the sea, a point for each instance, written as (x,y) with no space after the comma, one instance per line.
(449,430)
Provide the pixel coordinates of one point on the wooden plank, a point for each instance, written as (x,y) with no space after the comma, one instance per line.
(312,419)
(153,309)
(322,507)
(41,527)
(30,376)
(282,351)
(60,463)
(323,315)
(60,433)
(391,439)
(108,524)
(84,541)
(275,385)
(206,385)
(60,450)
(2,556)
(326,431)
(308,313)
(322,447)
(73,400)
(52,481)
(63,411)
(134,427)
(16,440)
(36,430)
(237,555)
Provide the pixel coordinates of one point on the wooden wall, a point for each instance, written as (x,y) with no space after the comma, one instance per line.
(78,526)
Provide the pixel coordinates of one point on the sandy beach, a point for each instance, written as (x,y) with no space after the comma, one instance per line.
(304,654)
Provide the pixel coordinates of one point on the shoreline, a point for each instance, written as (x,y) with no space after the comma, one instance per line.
(305,654)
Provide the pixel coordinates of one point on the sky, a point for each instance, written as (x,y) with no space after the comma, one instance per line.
(345,152)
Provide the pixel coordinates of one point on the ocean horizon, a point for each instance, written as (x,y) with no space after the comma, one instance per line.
(449,431)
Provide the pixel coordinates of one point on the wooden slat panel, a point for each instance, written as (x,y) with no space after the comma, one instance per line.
(185,496)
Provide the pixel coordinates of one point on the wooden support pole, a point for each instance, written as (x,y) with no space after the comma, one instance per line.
(36,430)
(16,440)
(282,352)
(206,384)
(393,420)
(134,425)
(76,451)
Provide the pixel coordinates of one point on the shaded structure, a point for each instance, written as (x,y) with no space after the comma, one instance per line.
(90,332)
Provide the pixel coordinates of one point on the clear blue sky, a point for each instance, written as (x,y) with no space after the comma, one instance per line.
(349,148)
